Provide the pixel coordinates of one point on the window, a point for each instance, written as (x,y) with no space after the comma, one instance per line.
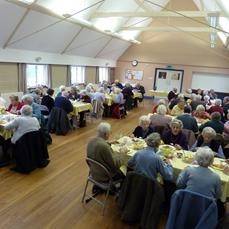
(77,74)
(36,75)
(103,74)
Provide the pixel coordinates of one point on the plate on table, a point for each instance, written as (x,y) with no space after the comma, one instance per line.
(219,165)
(188,157)
(167,150)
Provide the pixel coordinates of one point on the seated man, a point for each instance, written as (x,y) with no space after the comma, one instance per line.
(99,150)
(148,163)
(23,124)
(28,100)
(63,102)
(188,121)
(215,123)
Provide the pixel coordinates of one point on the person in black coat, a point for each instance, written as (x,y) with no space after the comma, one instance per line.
(118,84)
(172,94)
(174,136)
(128,96)
(64,103)
(47,100)
(144,129)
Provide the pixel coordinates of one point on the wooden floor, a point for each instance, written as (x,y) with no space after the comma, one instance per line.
(51,197)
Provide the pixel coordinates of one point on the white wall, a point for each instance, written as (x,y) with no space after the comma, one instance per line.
(23,56)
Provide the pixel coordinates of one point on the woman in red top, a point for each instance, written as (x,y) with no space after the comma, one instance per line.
(15,105)
(200,113)
(217,107)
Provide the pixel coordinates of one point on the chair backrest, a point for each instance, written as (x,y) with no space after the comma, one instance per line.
(203,214)
(159,129)
(190,137)
(30,151)
(94,166)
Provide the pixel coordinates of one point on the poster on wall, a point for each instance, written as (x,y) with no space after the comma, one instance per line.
(134,75)
(167,79)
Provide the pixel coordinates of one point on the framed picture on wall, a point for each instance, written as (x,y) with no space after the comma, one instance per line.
(167,79)
(134,74)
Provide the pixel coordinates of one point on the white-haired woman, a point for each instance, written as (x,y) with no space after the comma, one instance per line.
(118,97)
(160,118)
(207,138)
(143,129)
(175,136)
(217,107)
(201,179)
(23,124)
(200,113)
(160,102)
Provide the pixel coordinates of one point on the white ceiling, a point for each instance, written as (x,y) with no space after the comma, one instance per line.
(43,27)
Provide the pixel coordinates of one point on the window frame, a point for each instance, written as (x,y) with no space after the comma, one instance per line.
(102,78)
(77,81)
(46,81)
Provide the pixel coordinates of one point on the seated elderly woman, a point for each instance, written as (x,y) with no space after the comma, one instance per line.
(23,124)
(217,107)
(160,102)
(175,136)
(179,108)
(195,101)
(160,118)
(201,179)
(37,95)
(207,138)
(74,95)
(215,123)
(144,129)
(175,101)
(99,96)
(148,163)
(15,105)
(118,97)
(200,113)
